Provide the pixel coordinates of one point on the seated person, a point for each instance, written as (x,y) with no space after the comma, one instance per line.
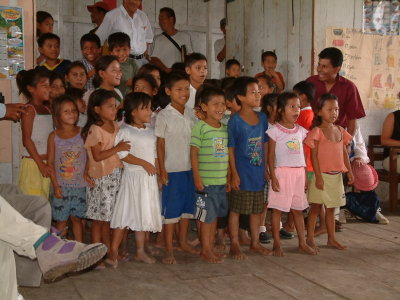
(391,136)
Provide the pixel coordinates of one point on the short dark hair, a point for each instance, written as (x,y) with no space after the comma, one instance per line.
(47,36)
(174,77)
(75,64)
(170,12)
(333,54)
(269,100)
(268,79)
(118,39)
(265,54)
(75,93)
(306,88)
(240,87)
(146,77)
(317,121)
(134,101)
(281,103)
(90,37)
(42,16)
(205,93)
(193,58)
(230,62)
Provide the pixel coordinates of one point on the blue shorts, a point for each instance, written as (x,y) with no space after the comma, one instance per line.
(211,203)
(72,204)
(178,198)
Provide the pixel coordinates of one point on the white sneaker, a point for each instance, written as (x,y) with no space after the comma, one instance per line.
(20,297)
(381,218)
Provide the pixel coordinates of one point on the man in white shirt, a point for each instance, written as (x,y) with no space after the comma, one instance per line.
(164,51)
(220,49)
(134,22)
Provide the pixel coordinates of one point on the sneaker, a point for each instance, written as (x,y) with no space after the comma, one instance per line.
(265,238)
(342,216)
(57,256)
(381,218)
(286,235)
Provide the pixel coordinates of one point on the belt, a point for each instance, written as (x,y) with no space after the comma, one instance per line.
(140,56)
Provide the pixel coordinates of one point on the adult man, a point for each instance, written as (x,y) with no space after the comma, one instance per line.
(220,48)
(167,46)
(328,80)
(129,19)
(97,13)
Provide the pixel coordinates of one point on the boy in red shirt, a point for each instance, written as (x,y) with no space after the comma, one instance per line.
(269,61)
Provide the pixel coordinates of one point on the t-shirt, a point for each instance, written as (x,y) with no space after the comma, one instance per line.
(289,145)
(129,70)
(330,154)
(248,142)
(60,68)
(192,97)
(213,152)
(176,129)
(166,51)
(350,105)
(96,136)
(305,120)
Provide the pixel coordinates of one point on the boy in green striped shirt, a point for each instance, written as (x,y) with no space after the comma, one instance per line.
(210,163)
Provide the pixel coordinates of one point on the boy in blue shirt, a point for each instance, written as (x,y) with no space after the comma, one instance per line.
(49,48)
(247,159)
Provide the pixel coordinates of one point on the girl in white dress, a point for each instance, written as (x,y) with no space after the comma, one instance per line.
(137,206)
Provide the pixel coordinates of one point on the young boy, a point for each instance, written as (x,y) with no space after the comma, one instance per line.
(265,84)
(173,129)
(91,51)
(49,48)
(119,44)
(247,152)
(209,156)
(232,68)
(196,68)
(268,62)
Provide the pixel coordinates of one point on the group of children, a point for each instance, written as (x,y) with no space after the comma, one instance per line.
(141,152)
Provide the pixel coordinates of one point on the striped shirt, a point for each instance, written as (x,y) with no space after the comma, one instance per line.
(213,152)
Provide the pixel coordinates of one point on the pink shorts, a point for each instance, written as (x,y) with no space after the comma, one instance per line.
(291,194)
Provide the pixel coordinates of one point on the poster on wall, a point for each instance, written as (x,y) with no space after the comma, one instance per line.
(372,62)
(11,41)
(381,17)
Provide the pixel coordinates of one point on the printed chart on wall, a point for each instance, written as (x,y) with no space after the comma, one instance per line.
(11,41)
(372,62)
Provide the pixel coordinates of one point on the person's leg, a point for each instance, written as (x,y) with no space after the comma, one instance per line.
(298,220)
(289,224)
(77,229)
(105,233)
(8,278)
(183,232)
(141,254)
(117,236)
(169,257)
(321,229)
(206,252)
(275,224)
(61,226)
(330,226)
(233,223)
(311,221)
(96,231)
(254,233)
(244,228)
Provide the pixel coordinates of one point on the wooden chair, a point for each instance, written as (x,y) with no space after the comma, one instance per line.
(375,153)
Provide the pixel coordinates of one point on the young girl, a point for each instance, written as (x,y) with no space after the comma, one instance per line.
(153,71)
(103,163)
(330,159)
(287,167)
(36,125)
(67,157)
(146,83)
(138,205)
(57,87)
(76,75)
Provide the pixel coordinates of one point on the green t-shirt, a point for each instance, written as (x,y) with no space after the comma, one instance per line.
(129,70)
(213,154)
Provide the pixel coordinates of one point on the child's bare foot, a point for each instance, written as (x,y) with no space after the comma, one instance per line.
(123,257)
(312,245)
(236,253)
(185,247)
(144,257)
(260,250)
(336,244)
(210,257)
(244,239)
(320,230)
(307,249)
(218,253)
(220,245)
(169,258)
(277,251)
(193,243)
(111,263)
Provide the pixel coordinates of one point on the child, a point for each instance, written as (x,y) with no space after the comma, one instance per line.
(57,87)
(91,51)
(67,157)
(196,68)
(77,96)
(232,68)
(287,167)
(268,62)
(144,83)
(49,47)
(76,75)
(266,85)
(137,206)
(209,156)
(44,24)
(104,166)
(173,130)
(329,159)
(247,145)
(119,45)
(153,71)
(36,125)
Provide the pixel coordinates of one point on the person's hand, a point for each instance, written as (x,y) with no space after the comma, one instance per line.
(358,162)
(199,113)
(228,187)
(91,73)
(275,185)
(306,184)
(14,111)
(235,182)
(350,178)
(88,179)
(319,182)
(123,146)
(150,169)
(58,192)
(267,176)
(198,183)
(164,176)
(45,170)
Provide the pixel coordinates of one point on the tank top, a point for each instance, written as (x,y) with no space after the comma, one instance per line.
(70,161)
(396,131)
(41,128)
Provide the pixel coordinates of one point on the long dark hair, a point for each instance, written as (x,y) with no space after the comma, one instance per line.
(30,78)
(57,105)
(101,65)
(317,121)
(134,101)
(97,98)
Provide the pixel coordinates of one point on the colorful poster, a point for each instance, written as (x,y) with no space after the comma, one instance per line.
(381,17)
(372,62)
(11,41)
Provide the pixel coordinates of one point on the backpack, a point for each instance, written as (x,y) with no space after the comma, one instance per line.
(363,205)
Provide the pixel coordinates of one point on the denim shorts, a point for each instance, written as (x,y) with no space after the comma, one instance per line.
(211,203)
(73,203)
